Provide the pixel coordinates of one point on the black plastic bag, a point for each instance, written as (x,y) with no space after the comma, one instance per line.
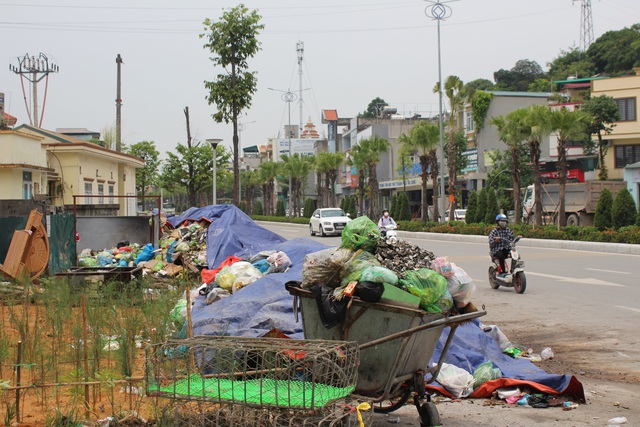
(369,291)
(331,311)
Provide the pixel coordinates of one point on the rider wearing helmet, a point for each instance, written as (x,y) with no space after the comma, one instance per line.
(500,241)
(385,220)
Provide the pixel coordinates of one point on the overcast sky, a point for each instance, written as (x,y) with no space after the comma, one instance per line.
(354,51)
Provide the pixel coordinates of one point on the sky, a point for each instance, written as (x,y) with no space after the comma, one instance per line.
(354,51)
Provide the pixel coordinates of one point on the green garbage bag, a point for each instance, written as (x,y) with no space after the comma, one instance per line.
(358,264)
(485,372)
(428,285)
(360,233)
(87,262)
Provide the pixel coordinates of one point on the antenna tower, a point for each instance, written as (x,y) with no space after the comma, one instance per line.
(586,25)
(300,50)
(34,69)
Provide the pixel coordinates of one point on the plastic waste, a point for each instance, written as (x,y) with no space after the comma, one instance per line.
(503,393)
(546,353)
(524,401)
(494,332)
(455,380)
(567,406)
(485,372)
(617,421)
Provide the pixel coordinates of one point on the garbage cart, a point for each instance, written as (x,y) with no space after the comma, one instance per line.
(396,345)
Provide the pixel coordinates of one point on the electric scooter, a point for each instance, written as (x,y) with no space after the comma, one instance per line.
(514,277)
(389,233)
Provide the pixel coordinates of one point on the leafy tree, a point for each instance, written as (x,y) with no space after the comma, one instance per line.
(232,41)
(267,173)
(374,108)
(393,210)
(371,148)
(492,207)
(479,107)
(251,184)
(148,175)
(541,85)
(573,62)
(422,140)
(297,168)
(482,206)
(257,208)
(602,219)
(567,125)
(321,167)
(518,78)
(358,158)
(480,84)
(190,168)
(537,126)
(461,145)
(309,207)
(604,112)
(472,207)
(334,160)
(404,213)
(623,211)
(616,52)
(351,207)
(280,208)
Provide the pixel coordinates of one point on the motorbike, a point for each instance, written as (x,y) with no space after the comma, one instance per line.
(514,277)
(389,233)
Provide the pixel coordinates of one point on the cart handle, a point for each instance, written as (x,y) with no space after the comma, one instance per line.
(445,321)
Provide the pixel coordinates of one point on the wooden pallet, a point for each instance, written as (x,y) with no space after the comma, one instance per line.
(29,250)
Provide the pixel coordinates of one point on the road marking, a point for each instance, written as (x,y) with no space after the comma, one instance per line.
(637,310)
(609,271)
(587,281)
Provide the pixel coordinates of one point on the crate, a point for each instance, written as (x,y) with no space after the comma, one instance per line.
(256,372)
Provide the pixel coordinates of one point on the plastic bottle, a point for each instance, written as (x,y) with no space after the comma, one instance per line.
(546,353)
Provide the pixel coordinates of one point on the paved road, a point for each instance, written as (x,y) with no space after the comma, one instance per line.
(584,304)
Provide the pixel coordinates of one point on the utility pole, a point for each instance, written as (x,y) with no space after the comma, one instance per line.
(28,68)
(300,50)
(119,106)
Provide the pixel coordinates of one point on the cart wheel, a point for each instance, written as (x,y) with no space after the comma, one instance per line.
(429,416)
(492,277)
(393,403)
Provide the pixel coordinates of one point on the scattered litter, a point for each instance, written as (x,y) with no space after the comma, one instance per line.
(139,391)
(393,420)
(567,406)
(546,353)
(617,421)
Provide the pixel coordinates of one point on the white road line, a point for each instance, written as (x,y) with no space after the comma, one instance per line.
(608,271)
(637,310)
(587,281)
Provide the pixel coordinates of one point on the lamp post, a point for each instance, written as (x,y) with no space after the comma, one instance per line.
(439,11)
(214,144)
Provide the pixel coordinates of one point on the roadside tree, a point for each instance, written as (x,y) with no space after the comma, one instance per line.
(149,174)
(604,112)
(602,219)
(623,211)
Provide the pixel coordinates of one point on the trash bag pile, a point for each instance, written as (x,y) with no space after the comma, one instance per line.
(366,267)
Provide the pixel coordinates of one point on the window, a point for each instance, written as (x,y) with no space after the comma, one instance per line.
(627,109)
(110,193)
(626,155)
(469,120)
(100,193)
(88,191)
(27,185)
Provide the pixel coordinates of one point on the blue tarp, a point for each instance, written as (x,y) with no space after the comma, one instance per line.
(265,304)
(231,232)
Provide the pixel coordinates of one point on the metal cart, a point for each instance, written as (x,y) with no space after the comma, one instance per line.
(396,344)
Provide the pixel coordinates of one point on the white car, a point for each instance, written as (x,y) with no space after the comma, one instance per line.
(328,221)
(458,215)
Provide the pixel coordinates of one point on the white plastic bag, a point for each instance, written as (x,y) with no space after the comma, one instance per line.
(500,338)
(460,286)
(442,266)
(455,380)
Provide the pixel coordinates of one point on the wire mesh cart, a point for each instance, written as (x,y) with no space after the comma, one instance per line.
(396,345)
(245,381)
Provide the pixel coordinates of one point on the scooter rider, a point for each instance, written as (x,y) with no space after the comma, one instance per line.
(500,240)
(385,220)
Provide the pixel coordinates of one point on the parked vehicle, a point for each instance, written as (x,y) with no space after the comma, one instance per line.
(328,221)
(458,215)
(514,277)
(581,199)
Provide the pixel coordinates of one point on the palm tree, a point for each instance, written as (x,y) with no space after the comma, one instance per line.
(321,165)
(268,171)
(334,161)
(512,131)
(566,124)
(251,182)
(537,122)
(455,91)
(423,138)
(297,168)
(372,147)
(357,158)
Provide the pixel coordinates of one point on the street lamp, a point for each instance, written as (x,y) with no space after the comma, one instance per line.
(214,144)
(439,11)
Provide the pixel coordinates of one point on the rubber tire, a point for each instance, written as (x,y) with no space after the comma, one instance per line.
(492,277)
(322,233)
(520,282)
(573,220)
(429,416)
(396,402)
(311,232)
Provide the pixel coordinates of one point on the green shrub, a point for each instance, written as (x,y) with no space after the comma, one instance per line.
(243,206)
(257,208)
(482,207)
(393,210)
(602,219)
(472,207)
(404,213)
(280,208)
(309,207)
(492,207)
(351,207)
(624,211)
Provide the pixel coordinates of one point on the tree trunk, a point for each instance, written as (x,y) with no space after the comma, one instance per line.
(451,163)
(236,150)
(424,165)
(537,184)
(562,176)
(319,188)
(435,171)
(373,187)
(361,191)
(515,161)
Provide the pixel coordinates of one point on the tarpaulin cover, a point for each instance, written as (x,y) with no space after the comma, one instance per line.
(259,307)
(265,304)
(232,232)
(471,346)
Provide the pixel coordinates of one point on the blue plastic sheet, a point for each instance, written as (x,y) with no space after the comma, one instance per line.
(232,232)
